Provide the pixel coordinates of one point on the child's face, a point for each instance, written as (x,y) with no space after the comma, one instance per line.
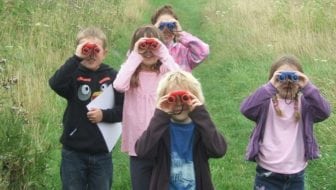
(180,108)
(287,89)
(149,58)
(94,62)
(168,35)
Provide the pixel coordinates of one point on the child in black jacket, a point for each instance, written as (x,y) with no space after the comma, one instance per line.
(181,136)
(86,160)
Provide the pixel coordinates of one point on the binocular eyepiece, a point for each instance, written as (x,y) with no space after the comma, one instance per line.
(288,75)
(181,94)
(90,49)
(148,44)
(170,25)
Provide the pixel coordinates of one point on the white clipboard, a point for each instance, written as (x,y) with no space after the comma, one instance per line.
(110,131)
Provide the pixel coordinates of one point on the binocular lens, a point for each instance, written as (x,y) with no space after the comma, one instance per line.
(90,49)
(169,25)
(184,97)
(148,44)
(288,75)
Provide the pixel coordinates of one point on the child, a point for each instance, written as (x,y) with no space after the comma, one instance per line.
(86,162)
(284,110)
(138,77)
(181,136)
(188,50)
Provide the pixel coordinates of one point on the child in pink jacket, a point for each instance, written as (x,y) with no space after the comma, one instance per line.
(138,78)
(187,50)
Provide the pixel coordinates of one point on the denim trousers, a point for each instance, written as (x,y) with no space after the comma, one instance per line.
(84,171)
(267,180)
(141,172)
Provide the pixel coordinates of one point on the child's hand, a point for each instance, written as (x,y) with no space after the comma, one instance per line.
(303,79)
(164,105)
(79,48)
(177,30)
(162,51)
(193,102)
(274,80)
(95,115)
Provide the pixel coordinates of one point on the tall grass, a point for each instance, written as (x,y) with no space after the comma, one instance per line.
(244,36)
(36,38)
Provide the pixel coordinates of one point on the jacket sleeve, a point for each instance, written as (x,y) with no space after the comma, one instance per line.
(197,50)
(61,81)
(211,138)
(315,103)
(168,62)
(115,114)
(148,143)
(252,105)
(122,82)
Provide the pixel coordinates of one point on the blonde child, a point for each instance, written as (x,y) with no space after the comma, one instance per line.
(284,110)
(138,77)
(188,50)
(181,136)
(86,161)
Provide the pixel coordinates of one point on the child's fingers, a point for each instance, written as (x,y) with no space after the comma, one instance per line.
(163,102)
(95,115)
(178,26)
(79,49)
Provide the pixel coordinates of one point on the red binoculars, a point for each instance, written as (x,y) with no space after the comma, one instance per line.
(148,44)
(182,95)
(90,49)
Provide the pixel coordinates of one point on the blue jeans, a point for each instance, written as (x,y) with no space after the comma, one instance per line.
(141,172)
(81,171)
(267,180)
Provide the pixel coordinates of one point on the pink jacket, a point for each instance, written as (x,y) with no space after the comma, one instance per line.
(189,52)
(139,102)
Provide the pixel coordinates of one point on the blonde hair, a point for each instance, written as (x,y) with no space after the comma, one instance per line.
(182,79)
(92,32)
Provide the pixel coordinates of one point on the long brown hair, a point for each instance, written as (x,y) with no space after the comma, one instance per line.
(292,61)
(148,31)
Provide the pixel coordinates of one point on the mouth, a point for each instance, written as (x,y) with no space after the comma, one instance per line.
(178,109)
(148,54)
(168,33)
(91,59)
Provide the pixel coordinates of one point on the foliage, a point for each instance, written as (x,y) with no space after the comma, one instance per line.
(244,37)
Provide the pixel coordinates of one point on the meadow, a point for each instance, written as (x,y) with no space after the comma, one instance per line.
(245,36)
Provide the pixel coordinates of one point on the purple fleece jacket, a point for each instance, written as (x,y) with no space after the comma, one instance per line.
(314,108)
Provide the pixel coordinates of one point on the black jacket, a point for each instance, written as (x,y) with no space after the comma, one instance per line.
(154,144)
(79,86)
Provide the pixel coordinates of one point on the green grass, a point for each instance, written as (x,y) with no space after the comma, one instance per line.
(244,37)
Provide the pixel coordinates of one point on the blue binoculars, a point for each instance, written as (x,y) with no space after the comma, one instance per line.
(288,75)
(170,25)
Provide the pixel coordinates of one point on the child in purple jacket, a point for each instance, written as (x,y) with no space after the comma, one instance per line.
(284,110)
